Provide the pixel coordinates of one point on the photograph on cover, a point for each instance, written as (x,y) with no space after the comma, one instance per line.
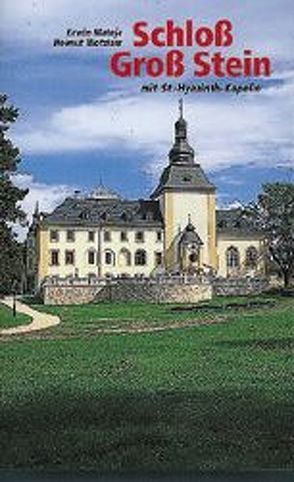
(146,236)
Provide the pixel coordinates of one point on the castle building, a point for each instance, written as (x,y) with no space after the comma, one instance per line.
(177,230)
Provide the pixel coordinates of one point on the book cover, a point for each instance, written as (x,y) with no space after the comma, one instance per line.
(146,200)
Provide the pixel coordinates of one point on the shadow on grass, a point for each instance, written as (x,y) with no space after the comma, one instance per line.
(247,305)
(285,344)
(147,432)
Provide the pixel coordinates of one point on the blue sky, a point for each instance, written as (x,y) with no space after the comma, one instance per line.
(78,123)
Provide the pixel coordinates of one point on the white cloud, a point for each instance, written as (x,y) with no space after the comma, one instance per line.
(257,25)
(225,130)
(235,204)
(48,196)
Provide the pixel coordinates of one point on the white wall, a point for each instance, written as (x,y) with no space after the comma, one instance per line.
(82,246)
(150,245)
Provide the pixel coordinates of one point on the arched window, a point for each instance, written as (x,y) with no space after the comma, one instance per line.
(140,257)
(251,257)
(109,258)
(124,257)
(233,257)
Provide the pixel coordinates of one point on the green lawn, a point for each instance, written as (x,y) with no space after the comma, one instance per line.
(85,320)
(217,396)
(7,320)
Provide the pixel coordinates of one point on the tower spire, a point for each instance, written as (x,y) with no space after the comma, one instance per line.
(181,108)
(181,152)
(37,209)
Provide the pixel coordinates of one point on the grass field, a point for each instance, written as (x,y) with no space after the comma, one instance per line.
(213,396)
(7,320)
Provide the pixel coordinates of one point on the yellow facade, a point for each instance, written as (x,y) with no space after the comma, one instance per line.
(242,244)
(199,208)
(211,237)
(43,253)
(168,216)
(124,252)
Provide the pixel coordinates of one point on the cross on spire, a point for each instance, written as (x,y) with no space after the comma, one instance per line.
(37,210)
(181,108)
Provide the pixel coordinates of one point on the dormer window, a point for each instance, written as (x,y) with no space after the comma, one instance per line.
(84,215)
(187,178)
(222,224)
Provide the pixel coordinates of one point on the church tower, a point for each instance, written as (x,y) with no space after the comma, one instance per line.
(187,201)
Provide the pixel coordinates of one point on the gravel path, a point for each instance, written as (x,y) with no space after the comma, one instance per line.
(40,321)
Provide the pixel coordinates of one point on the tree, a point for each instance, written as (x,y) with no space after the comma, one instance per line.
(273,215)
(10,197)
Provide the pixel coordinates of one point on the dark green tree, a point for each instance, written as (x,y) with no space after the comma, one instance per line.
(11,252)
(273,215)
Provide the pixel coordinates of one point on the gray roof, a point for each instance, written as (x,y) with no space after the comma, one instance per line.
(140,213)
(185,178)
(181,152)
(90,211)
(190,236)
(233,221)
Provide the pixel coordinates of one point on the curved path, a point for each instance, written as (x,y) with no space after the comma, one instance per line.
(40,321)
